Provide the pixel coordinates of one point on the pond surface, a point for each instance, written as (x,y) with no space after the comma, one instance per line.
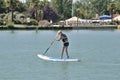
(98,50)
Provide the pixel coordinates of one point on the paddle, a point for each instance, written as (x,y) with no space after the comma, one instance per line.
(49,47)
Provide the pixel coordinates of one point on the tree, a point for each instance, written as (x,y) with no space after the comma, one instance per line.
(62,7)
(49,14)
(89,8)
(2,6)
(14,5)
(35,8)
(85,9)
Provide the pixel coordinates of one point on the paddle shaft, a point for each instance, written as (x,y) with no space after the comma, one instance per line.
(49,47)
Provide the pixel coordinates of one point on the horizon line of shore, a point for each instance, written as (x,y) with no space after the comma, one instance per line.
(27,27)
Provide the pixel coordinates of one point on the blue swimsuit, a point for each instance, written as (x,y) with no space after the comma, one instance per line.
(65,40)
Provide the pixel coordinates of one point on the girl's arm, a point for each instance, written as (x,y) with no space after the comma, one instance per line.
(59,38)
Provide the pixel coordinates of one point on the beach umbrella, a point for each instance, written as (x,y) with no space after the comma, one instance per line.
(105,17)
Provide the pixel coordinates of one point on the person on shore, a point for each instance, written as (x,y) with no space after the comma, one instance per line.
(64,38)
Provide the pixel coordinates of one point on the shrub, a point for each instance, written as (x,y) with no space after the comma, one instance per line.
(16,21)
(24,22)
(112,23)
(1,21)
(10,25)
(33,22)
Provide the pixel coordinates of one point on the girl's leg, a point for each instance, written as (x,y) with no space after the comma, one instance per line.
(67,52)
(62,52)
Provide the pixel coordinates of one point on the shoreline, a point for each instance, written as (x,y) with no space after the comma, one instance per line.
(81,27)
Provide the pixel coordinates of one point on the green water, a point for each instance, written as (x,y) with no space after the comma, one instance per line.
(99,52)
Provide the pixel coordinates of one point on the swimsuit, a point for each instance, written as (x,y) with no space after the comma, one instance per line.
(65,40)
(66,44)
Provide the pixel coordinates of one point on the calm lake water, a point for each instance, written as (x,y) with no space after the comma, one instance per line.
(99,52)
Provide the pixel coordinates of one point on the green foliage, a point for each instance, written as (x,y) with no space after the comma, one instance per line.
(10,25)
(89,8)
(16,21)
(1,21)
(7,17)
(113,23)
(23,22)
(62,7)
(2,6)
(82,8)
(33,22)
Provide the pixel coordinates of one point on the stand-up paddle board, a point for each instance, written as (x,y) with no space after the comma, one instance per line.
(56,59)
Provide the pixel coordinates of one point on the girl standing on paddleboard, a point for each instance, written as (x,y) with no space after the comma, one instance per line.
(64,39)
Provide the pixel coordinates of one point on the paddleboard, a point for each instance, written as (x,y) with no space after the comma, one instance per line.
(56,59)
